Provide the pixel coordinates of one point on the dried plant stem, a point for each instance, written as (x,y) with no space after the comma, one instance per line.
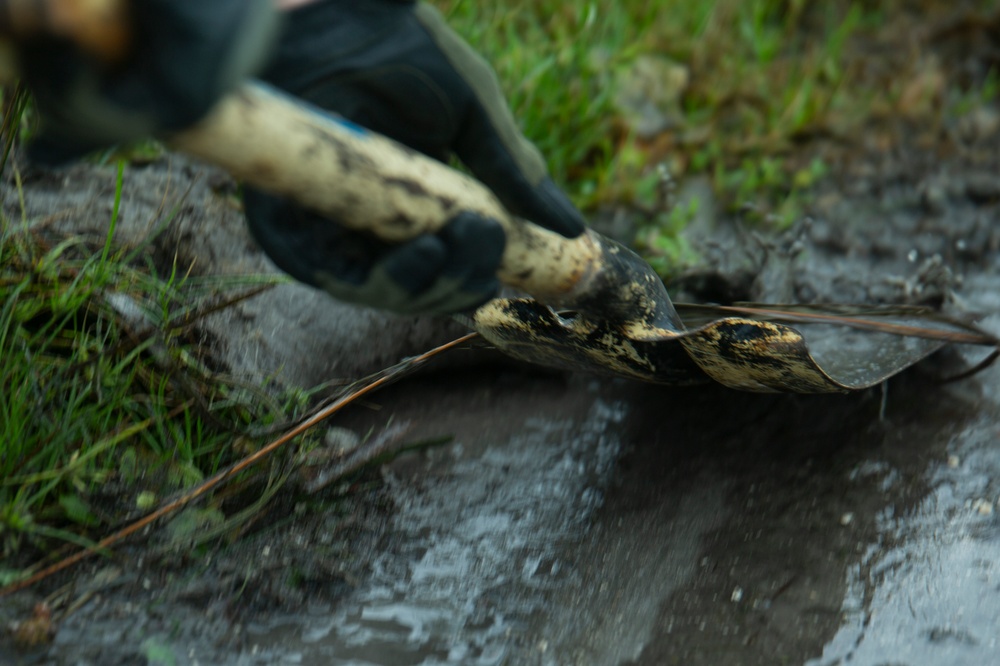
(364,387)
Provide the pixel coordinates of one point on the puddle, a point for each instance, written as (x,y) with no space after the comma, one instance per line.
(935,597)
(927,592)
(484,540)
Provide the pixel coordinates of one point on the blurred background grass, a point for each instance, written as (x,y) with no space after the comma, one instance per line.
(761,97)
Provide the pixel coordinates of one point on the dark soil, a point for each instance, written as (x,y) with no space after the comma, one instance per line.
(569,520)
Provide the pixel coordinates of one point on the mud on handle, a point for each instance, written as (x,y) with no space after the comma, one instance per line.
(369,182)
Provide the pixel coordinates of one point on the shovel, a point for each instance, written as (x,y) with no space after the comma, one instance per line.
(596,305)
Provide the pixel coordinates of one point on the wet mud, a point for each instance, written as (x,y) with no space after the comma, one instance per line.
(572,520)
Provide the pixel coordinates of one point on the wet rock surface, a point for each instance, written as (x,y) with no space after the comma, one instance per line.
(570,520)
(584,521)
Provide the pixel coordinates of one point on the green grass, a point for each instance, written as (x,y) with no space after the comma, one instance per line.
(761,74)
(106,396)
(766,78)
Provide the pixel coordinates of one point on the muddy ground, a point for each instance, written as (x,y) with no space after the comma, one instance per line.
(571,520)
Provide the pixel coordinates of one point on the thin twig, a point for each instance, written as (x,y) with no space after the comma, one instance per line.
(366,386)
(971,335)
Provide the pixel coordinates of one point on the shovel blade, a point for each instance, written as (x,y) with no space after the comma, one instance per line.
(761,348)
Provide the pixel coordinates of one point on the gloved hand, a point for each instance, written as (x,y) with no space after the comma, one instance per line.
(394,67)
(185,54)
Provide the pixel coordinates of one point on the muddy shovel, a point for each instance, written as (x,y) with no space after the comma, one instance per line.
(596,305)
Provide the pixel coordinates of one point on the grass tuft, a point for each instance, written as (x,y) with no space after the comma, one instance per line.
(755,94)
(108,395)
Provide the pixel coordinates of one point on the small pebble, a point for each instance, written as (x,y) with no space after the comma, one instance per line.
(737,594)
(341,441)
(954,461)
(847,519)
(983,507)
(979,124)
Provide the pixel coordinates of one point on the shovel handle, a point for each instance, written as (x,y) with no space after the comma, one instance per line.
(361,179)
(371,183)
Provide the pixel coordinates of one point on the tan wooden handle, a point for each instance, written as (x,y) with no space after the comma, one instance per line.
(369,182)
(359,178)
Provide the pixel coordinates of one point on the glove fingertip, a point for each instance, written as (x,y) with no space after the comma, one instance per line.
(475,242)
(417,263)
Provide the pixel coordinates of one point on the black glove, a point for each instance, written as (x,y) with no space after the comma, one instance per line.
(447,272)
(185,54)
(397,69)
